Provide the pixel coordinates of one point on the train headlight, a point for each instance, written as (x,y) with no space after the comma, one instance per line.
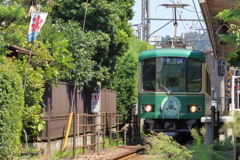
(147,108)
(193,109)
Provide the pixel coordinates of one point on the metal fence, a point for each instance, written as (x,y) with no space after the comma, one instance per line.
(109,126)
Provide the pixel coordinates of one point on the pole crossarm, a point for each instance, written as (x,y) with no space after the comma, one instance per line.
(174,5)
(168,19)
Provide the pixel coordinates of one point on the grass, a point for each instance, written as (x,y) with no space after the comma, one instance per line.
(30,153)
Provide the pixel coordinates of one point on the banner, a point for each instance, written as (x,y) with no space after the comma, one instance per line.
(37,21)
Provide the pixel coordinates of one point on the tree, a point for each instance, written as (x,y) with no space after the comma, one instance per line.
(166,38)
(107,21)
(52,56)
(8,15)
(125,80)
(232,16)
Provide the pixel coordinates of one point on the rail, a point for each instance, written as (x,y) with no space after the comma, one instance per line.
(127,155)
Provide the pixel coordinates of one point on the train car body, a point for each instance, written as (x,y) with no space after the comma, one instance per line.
(173,90)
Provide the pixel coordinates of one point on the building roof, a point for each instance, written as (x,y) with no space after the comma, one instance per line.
(210,8)
(19,50)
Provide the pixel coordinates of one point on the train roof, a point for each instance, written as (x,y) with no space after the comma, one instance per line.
(172,52)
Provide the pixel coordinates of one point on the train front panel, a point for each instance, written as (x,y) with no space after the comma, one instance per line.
(172,89)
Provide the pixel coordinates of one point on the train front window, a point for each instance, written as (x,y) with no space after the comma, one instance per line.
(173,74)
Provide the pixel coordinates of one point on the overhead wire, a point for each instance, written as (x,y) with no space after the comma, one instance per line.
(190,10)
(198,20)
(193,26)
(197,15)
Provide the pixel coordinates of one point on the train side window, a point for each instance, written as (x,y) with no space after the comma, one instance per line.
(148,74)
(208,83)
(194,75)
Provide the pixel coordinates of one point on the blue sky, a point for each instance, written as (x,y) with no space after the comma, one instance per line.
(163,12)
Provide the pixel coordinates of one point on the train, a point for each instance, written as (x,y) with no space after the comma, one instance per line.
(174,90)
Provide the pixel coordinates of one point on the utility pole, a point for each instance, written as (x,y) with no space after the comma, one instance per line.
(148,21)
(96,109)
(143,21)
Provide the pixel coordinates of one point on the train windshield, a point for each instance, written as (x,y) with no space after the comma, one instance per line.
(172,74)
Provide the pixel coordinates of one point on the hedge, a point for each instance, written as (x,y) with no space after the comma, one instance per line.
(11,106)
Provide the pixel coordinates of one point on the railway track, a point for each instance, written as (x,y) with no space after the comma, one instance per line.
(129,154)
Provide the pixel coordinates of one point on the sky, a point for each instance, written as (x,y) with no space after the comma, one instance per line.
(163,12)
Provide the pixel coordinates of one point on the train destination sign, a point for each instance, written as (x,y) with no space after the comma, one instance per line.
(95,104)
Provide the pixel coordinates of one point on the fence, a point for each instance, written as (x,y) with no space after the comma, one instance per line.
(115,130)
(57,103)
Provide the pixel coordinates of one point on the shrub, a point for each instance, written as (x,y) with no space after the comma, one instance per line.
(165,147)
(11,106)
(34,90)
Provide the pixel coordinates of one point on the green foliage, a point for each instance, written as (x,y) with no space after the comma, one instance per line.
(126,84)
(106,21)
(32,112)
(234,124)
(11,107)
(67,153)
(15,34)
(81,48)
(125,78)
(234,59)
(201,151)
(9,14)
(142,134)
(108,145)
(30,153)
(232,16)
(166,147)
(4,46)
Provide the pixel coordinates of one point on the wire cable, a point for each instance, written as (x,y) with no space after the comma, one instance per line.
(198,15)
(190,10)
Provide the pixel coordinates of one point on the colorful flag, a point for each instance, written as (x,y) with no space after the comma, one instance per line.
(37,21)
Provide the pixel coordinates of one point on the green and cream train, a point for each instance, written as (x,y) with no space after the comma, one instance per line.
(173,90)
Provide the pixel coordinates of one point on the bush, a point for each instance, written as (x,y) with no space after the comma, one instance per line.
(11,106)
(34,90)
(165,147)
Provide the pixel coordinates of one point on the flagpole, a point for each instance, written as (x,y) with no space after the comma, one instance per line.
(32,41)
(28,65)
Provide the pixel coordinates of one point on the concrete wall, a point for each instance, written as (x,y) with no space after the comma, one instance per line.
(53,146)
(218,91)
